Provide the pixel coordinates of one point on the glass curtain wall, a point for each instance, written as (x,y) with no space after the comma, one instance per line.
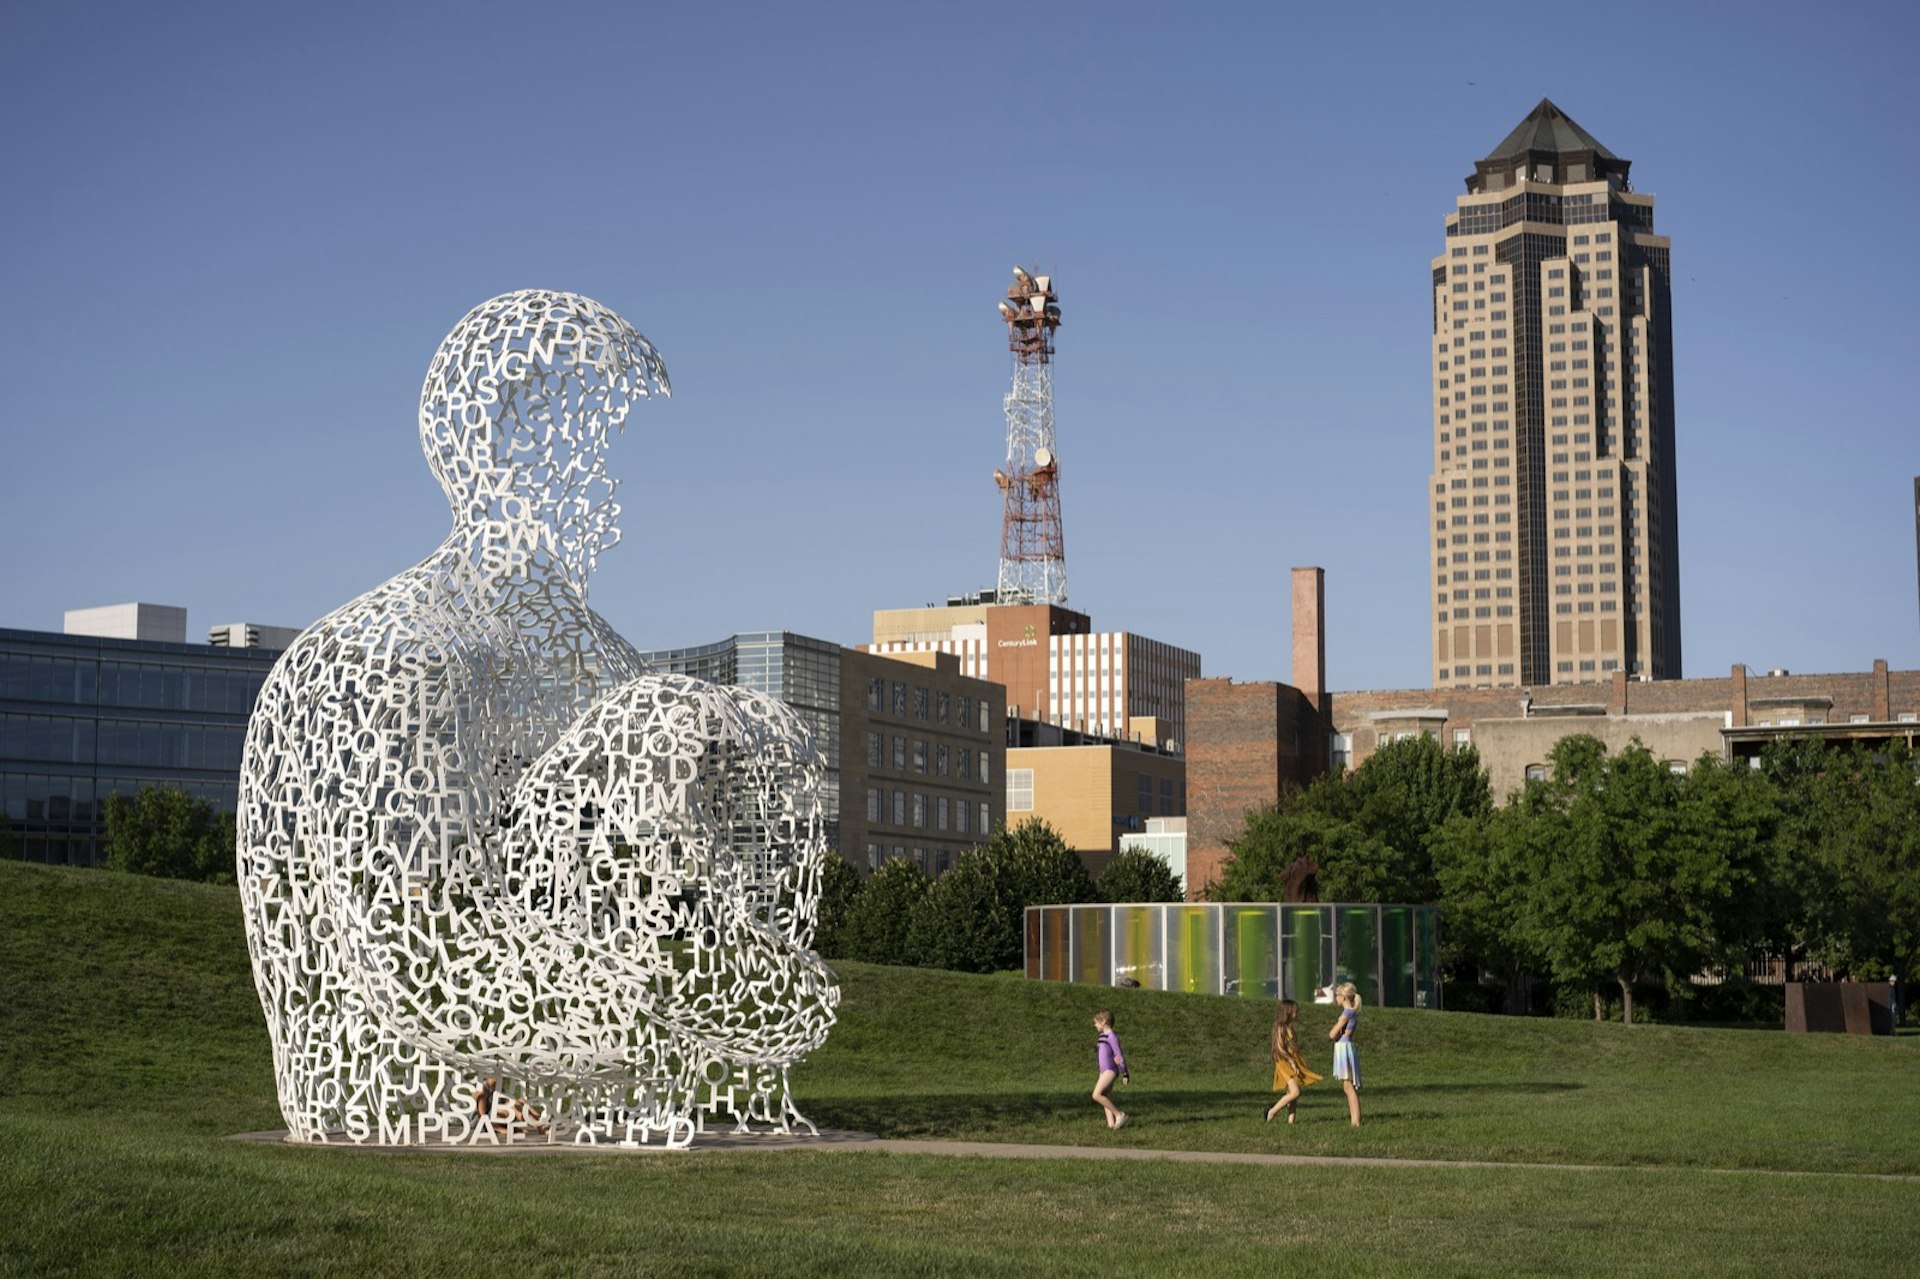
(1261,950)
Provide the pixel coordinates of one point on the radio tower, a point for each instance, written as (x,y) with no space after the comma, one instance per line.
(1033,552)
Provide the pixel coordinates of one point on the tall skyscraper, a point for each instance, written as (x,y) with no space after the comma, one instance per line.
(1555,538)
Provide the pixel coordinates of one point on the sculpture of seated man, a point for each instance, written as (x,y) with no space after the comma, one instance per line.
(477,839)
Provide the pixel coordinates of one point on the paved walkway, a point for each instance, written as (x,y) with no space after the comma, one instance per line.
(831,1139)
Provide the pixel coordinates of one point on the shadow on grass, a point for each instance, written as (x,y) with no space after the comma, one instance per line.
(936,1114)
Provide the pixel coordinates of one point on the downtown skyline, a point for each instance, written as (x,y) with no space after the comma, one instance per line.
(248,231)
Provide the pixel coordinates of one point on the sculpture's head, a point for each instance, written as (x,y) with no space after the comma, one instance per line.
(516,414)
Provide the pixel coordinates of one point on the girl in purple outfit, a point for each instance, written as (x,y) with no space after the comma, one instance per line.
(1112,1063)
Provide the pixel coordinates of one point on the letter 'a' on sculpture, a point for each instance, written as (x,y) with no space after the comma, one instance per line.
(500,881)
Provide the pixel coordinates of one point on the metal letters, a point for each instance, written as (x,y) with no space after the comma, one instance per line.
(477,840)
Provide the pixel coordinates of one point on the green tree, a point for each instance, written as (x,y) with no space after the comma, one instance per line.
(964,922)
(1635,888)
(1864,917)
(1371,831)
(878,921)
(1276,836)
(1137,875)
(1733,810)
(974,917)
(1399,799)
(840,887)
(1039,867)
(1489,867)
(169,834)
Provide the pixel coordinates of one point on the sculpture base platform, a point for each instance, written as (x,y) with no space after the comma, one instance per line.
(723,1142)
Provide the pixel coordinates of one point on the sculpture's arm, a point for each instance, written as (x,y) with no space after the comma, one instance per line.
(678,776)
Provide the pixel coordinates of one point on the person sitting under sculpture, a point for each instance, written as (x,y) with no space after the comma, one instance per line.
(491,1108)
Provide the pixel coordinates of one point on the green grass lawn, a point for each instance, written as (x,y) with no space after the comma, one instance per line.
(131,1044)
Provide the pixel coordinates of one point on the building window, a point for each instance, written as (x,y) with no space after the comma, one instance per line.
(899,808)
(876,750)
(940,812)
(1166,797)
(1342,750)
(986,819)
(876,695)
(876,805)
(984,770)
(1019,792)
(1536,772)
(899,698)
(960,816)
(944,708)
(963,708)
(943,760)
(919,756)
(1145,804)
(1462,737)
(965,769)
(900,753)
(919,811)
(922,703)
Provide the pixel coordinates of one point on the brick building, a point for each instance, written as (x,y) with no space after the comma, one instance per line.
(1055,667)
(1247,744)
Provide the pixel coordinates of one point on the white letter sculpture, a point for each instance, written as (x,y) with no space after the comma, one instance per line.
(479,841)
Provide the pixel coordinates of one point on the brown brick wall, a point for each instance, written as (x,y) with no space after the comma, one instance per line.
(1676,719)
(1245,744)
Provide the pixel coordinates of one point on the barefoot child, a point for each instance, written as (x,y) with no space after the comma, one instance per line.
(1290,1073)
(1112,1062)
(1346,1066)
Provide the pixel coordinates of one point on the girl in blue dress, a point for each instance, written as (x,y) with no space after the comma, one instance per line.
(1346,1064)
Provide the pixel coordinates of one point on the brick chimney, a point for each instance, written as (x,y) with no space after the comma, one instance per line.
(1310,638)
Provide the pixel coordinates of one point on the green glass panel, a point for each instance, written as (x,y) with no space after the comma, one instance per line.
(1195,950)
(1137,938)
(1306,933)
(1396,946)
(1254,952)
(1356,941)
(1092,945)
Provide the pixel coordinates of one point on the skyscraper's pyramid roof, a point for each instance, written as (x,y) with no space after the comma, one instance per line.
(1548,128)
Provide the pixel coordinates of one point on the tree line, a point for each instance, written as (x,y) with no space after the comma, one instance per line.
(1616,873)
(970,919)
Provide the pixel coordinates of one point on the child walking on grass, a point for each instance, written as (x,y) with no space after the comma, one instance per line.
(1346,1065)
(1290,1073)
(1112,1063)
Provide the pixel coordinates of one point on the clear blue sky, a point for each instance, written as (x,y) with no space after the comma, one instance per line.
(234,235)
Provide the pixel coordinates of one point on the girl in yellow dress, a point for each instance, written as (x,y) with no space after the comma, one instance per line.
(1290,1073)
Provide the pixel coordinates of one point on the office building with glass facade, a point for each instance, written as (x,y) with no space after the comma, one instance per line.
(915,751)
(1261,950)
(84,716)
(801,671)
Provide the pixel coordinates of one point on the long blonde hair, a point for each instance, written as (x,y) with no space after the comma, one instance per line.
(1283,1018)
(1345,991)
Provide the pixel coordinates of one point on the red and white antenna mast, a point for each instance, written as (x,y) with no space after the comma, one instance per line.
(1033,551)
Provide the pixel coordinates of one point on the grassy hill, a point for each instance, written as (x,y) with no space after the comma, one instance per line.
(131,1042)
